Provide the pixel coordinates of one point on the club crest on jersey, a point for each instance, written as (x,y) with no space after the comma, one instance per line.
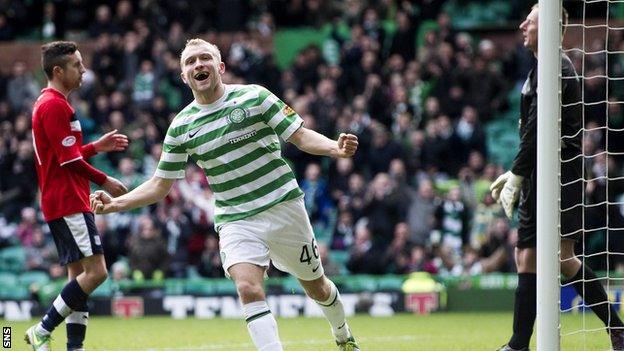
(287,111)
(69,141)
(238,115)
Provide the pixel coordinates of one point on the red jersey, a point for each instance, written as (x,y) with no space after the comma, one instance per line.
(57,138)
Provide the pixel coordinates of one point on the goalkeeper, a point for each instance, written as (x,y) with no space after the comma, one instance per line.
(519,186)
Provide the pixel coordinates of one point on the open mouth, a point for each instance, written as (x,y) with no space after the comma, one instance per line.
(201,76)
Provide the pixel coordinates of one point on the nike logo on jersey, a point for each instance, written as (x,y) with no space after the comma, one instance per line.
(193,134)
(316,268)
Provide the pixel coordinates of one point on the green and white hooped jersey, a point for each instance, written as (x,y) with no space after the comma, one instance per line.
(235,141)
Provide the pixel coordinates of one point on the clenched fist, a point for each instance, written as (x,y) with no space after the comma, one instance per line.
(347,145)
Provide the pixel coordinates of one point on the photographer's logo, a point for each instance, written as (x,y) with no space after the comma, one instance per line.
(6,337)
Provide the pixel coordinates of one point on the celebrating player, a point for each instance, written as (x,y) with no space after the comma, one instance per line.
(64,177)
(232,132)
(520,183)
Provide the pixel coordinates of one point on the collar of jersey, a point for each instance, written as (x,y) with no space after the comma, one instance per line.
(54,91)
(219,101)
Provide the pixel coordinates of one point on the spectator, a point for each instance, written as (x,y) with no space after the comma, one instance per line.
(6,30)
(397,255)
(326,106)
(486,89)
(210,265)
(485,213)
(470,133)
(404,40)
(317,198)
(382,151)
(27,226)
(103,23)
(22,89)
(124,15)
(419,260)
(382,209)
(113,243)
(342,238)
(496,253)
(446,262)
(147,252)
(144,85)
(420,213)
(452,220)
(177,230)
(18,192)
(339,174)
(329,266)
(41,254)
(364,257)
(120,272)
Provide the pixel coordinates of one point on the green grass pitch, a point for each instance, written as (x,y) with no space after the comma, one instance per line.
(404,332)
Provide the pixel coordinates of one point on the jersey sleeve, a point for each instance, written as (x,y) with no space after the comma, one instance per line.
(55,122)
(279,116)
(525,160)
(173,158)
(571,111)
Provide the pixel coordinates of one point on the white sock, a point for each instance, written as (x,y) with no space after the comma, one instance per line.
(262,326)
(335,314)
(39,329)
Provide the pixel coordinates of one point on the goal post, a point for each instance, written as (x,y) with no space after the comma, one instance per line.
(548,136)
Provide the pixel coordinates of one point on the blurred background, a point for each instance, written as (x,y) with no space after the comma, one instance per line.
(431,88)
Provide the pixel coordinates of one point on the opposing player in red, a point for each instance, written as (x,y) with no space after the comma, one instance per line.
(64,177)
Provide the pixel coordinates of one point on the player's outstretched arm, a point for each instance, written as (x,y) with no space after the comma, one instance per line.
(317,144)
(145,194)
(111,141)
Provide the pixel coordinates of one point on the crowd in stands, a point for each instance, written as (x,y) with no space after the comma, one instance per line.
(414,198)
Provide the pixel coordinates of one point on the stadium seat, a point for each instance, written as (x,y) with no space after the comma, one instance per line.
(192,273)
(390,283)
(340,258)
(175,286)
(48,292)
(13,259)
(224,286)
(8,279)
(34,277)
(104,290)
(200,287)
(360,283)
(14,292)
(291,286)
(11,288)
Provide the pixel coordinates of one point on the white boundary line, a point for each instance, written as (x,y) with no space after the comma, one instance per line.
(248,345)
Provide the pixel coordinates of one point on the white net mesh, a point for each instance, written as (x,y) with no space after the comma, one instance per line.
(594,41)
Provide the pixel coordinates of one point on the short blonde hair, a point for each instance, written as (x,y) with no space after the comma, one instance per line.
(198,42)
(564,18)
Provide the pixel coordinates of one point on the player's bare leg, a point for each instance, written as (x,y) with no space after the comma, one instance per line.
(326,295)
(261,323)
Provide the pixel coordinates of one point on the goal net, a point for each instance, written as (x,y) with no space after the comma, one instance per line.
(594,41)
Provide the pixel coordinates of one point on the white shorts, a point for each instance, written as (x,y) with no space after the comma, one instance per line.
(282,234)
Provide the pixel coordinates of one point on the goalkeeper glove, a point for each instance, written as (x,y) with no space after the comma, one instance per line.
(510,193)
(498,184)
